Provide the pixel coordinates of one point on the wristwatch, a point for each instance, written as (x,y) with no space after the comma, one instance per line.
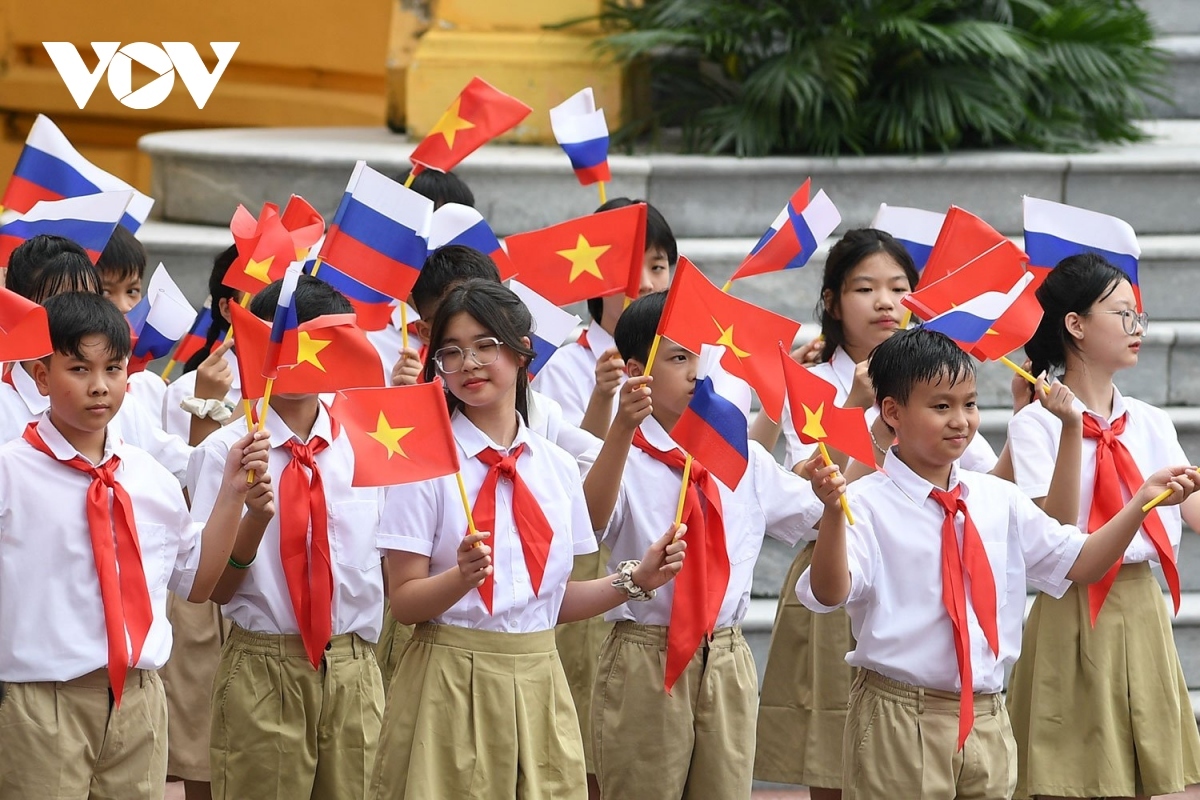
(624,582)
(216,410)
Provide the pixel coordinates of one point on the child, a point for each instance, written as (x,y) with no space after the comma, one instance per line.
(1098,699)
(479,703)
(802,711)
(936,621)
(701,731)
(584,376)
(84,713)
(28,258)
(297,700)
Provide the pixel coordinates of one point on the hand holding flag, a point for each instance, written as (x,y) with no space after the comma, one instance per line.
(480,113)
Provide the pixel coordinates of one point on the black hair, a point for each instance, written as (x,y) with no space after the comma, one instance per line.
(74,316)
(637,325)
(446,267)
(30,256)
(441,187)
(314,298)
(494,306)
(124,256)
(658,234)
(217,291)
(1076,284)
(916,356)
(66,272)
(848,253)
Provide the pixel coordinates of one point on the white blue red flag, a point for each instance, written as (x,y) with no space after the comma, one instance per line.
(794,236)
(551,325)
(1054,231)
(914,228)
(159,320)
(88,221)
(582,132)
(458,224)
(285,324)
(713,428)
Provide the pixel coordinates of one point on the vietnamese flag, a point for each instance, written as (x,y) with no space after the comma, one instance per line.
(265,248)
(591,256)
(24,331)
(480,113)
(818,418)
(400,434)
(332,353)
(698,313)
(962,238)
(303,223)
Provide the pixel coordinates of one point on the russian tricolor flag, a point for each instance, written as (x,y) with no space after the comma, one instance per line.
(1054,231)
(458,224)
(372,308)
(159,320)
(88,221)
(713,428)
(380,233)
(915,229)
(970,321)
(285,322)
(794,236)
(196,337)
(551,325)
(582,132)
(49,168)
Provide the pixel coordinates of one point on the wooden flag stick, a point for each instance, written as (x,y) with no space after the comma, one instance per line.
(845,503)
(1146,508)
(653,353)
(462,493)
(603,193)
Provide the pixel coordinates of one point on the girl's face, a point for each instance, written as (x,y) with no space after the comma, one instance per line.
(869,305)
(1102,333)
(477,385)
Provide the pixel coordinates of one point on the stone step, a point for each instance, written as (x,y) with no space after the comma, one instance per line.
(1183,75)
(186,250)
(1173,17)
(200,176)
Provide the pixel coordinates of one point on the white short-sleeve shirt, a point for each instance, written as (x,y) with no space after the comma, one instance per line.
(894,552)
(769,501)
(428,519)
(262,602)
(51,612)
(1034,434)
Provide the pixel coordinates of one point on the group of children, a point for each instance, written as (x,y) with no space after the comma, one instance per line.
(571,639)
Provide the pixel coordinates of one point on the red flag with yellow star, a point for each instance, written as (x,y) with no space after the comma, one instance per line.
(818,418)
(265,248)
(698,313)
(331,353)
(590,256)
(480,113)
(400,434)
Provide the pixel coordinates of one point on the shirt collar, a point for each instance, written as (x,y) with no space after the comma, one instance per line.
(843,367)
(281,434)
(599,339)
(913,485)
(27,390)
(64,450)
(474,441)
(1118,408)
(657,436)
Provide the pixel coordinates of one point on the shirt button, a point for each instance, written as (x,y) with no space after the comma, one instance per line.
(512,624)
(328,646)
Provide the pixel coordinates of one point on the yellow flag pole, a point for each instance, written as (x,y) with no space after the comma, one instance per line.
(412,176)
(466,503)
(316,268)
(653,353)
(1146,508)
(404,326)
(728,283)
(845,503)
(687,476)
(166,373)
(603,192)
(1015,367)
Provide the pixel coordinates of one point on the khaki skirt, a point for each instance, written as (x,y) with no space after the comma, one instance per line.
(479,714)
(1104,711)
(579,645)
(805,691)
(198,633)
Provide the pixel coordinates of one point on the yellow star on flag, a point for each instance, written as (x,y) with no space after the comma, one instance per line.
(308,348)
(812,422)
(451,123)
(390,437)
(727,340)
(585,258)
(260,270)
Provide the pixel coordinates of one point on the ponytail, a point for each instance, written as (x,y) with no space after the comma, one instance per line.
(217,291)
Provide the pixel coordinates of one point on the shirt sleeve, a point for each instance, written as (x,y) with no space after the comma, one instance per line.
(556,381)
(791,508)
(412,516)
(205,470)
(167,449)
(1048,548)
(1034,449)
(620,514)
(862,559)
(979,455)
(582,535)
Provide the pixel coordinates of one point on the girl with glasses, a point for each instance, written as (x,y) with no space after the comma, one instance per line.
(1098,700)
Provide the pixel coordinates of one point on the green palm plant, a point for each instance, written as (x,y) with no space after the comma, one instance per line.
(757,77)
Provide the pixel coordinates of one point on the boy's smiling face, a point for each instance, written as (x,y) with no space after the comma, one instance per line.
(935,425)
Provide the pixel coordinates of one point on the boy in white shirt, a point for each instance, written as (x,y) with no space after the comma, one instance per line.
(701,726)
(933,577)
(93,532)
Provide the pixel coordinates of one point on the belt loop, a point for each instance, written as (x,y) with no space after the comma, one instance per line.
(920,699)
(356,648)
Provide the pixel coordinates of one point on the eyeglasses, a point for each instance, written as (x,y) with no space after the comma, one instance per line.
(483,351)
(1130,320)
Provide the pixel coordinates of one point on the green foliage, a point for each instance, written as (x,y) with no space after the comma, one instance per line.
(757,77)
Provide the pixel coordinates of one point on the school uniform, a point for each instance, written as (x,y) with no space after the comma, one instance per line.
(178,422)
(802,709)
(569,376)
(479,705)
(702,732)
(21,403)
(148,388)
(63,733)
(298,698)
(908,713)
(1103,710)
